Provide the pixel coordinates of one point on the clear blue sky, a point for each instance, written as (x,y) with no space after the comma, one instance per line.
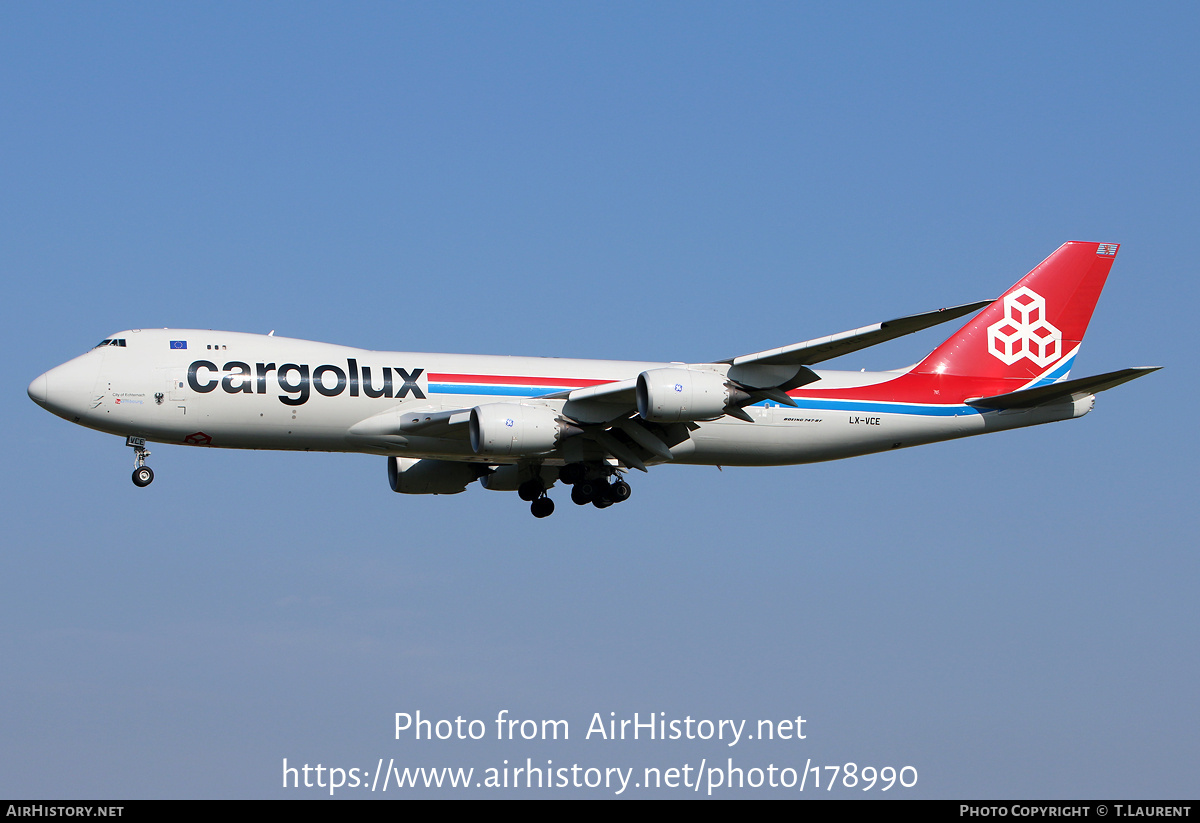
(1013,615)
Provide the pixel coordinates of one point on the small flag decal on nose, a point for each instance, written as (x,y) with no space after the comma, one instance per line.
(179,344)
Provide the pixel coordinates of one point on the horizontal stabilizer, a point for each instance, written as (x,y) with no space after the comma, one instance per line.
(1066,390)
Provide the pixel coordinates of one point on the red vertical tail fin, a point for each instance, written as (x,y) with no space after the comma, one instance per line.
(1033,331)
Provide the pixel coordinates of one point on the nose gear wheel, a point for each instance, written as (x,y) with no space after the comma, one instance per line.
(143,475)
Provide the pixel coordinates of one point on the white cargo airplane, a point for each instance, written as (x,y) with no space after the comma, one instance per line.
(523,423)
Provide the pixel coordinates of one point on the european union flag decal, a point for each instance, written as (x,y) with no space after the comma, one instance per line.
(179,344)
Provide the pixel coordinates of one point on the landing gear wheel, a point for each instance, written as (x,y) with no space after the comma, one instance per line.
(602,502)
(542,507)
(619,492)
(142,475)
(531,490)
(572,473)
(579,497)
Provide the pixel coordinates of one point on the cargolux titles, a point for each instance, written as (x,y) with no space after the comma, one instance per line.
(297,380)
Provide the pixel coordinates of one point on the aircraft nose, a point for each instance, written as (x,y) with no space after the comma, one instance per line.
(39,390)
(64,389)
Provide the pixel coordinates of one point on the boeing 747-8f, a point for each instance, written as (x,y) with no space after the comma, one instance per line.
(522,424)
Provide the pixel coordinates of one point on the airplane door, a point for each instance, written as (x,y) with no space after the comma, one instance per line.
(174,390)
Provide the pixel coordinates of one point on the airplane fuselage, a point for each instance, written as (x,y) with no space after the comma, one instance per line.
(523,424)
(249,391)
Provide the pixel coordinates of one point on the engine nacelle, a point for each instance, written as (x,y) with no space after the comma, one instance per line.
(683,395)
(503,429)
(408,475)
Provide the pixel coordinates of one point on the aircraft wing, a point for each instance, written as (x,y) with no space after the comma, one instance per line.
(835,345)
(434,423)
(608,413)
(388,428)
(621,392)
(613,430)
(789,361)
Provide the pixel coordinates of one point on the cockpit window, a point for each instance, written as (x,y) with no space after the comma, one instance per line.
(111,341)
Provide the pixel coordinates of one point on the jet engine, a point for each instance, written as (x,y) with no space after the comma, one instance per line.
(682,395)
(503,429)
(408,475)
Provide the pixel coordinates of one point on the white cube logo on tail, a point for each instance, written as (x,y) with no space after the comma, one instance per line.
(1024,331)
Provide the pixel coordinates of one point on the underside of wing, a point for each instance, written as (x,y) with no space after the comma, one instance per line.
(450,423)
(391,429)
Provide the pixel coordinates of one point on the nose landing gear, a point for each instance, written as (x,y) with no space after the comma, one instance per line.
(143,475)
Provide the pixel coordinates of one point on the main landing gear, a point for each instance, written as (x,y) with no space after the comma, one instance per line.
(600,492)
(542,507)
(143,475)
(598,484)
(534,492)
(592,484)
